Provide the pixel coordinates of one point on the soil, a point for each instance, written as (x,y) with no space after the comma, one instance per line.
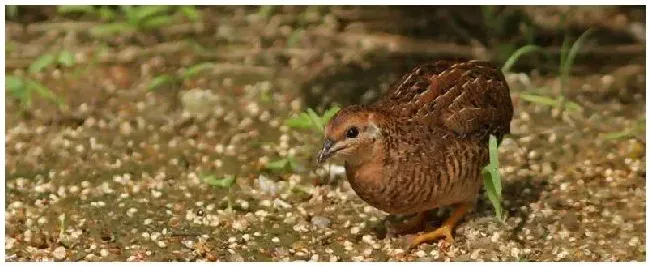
(117,173)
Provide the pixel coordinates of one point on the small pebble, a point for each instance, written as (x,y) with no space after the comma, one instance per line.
(59,253)
(320,222)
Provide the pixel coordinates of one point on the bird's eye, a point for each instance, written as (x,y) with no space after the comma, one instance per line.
(352,132)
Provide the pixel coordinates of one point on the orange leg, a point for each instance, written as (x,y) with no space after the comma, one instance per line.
(443,231)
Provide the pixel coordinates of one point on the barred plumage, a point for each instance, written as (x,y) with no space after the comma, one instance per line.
(424,143)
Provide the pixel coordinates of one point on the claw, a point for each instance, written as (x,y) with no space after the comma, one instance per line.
(444,231)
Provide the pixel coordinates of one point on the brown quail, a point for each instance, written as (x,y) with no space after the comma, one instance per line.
(424,144)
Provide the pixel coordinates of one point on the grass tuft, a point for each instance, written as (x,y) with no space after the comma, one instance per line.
(568,54)
(492,178)
(226,182)
(185,74)
(310,119)
(134,18)
(517,54)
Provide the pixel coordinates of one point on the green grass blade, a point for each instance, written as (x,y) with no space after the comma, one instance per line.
(156,22)
(330,113)
(265,11)
(277,165)
(17,88)
(494,164)
(225,182)
(66,58)
(106,13)
(301,121)
(564,50)
(12,11)
(190,12)
(294,38)
(144,12)
(572,106)
(196,69)
(515,56)
(618,135)
(41,63)
(493,196)
(571,55)
(13,83)
(538,99)
(131,14)
(44,92)
(292,163)
(111,29)
(69,9)
(160,81)
(316,120)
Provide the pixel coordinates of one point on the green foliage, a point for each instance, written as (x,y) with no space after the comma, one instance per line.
(638,128)
(567,56)
(226,182)
(188,73)
(41,63)
(517,54)
(12,12)
(139,18)
(75,9)
(190,12)
(294,38)
(194,70)
(105,13)
(312,120)
(568,53)
(23,88)
(265,11)
(9,47)
(66,58)
(161,80)
(492,178)
(63,58)
(558,102)
(282,164)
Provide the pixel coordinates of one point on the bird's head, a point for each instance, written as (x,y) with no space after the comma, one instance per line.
(351,135)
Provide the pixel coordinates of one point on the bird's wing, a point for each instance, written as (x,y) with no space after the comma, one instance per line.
(464,97)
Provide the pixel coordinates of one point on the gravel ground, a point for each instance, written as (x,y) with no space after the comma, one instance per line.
(117,176)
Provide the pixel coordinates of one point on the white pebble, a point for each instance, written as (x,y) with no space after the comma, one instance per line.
(355,230)
(131,212)
(59,253)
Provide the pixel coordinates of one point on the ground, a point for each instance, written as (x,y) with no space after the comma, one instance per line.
(116,174)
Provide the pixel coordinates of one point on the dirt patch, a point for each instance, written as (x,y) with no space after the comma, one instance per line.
(117,175)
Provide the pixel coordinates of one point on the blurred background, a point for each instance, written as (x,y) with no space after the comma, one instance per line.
(185,132)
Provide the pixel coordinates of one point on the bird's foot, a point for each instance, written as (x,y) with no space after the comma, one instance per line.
(443,231)
(413,241)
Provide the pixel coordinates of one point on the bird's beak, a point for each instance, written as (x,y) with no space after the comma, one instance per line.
(325,153)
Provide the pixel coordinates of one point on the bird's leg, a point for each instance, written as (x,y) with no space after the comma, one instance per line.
(412,224)
(443,231)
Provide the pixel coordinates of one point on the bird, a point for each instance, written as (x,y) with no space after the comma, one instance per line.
(424,143)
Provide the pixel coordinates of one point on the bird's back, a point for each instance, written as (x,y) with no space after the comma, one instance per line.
(467,98)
